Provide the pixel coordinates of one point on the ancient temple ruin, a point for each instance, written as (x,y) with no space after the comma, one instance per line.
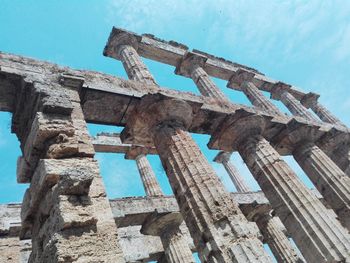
(65,215)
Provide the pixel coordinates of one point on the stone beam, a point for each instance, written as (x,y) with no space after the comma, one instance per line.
(110,100)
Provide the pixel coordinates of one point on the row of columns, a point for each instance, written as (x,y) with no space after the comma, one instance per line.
(205,205)
(270,227)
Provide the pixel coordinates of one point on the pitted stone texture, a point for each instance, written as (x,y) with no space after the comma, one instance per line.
(69,214)
(236,178)
(9,250)
(150,183)
(330,181)
(278,242)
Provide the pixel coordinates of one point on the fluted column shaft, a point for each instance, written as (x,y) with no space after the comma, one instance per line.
(257,98)
(317,233)
(150,183)
(324,114)
(341,157)
(134,66)
(236,178)
(176,247)
(327,177)
(205,85)
(220,231)
(295,106)
(278,242)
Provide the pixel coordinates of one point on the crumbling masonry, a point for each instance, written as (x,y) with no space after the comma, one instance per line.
(65,215)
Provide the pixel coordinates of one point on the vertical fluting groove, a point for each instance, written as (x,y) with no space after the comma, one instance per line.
(341,157)
(280,245)
(317,233)
(205,85)
(324,114)
(177,249)
(328,178)
(134,66)
(150,183)
(258,99)
(236,178)
(220,231)
(296,107)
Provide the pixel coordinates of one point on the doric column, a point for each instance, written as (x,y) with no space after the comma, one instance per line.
(317,233)
(219,230)
(310,101)
(176,247)
(278,242)
(236,178)
(192,66)
(150,183)
(280,92)
(242,80)
(133,65)
(327,177)
(65,207)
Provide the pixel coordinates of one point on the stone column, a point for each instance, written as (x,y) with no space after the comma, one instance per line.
(134,66)
(278,242)
(176,247)
(242,80)
(236,178)
(310,101)
(280,92)
(150,183)
(65,207)
(327,177)
(192,65)
(316,231)
(219,230)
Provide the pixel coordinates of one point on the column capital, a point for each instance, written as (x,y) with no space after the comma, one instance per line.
(240,77)
(278,89)
(118,38)
(158,224)
(155,110)
(309,99)
(296,132)
(236,127)
(188,62)
(222,157)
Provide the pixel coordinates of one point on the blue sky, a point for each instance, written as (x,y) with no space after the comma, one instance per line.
(304,43)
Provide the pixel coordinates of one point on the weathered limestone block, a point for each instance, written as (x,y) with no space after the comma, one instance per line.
(9,249)
(46,132)
(69,215)
(316,231)
(219,229)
